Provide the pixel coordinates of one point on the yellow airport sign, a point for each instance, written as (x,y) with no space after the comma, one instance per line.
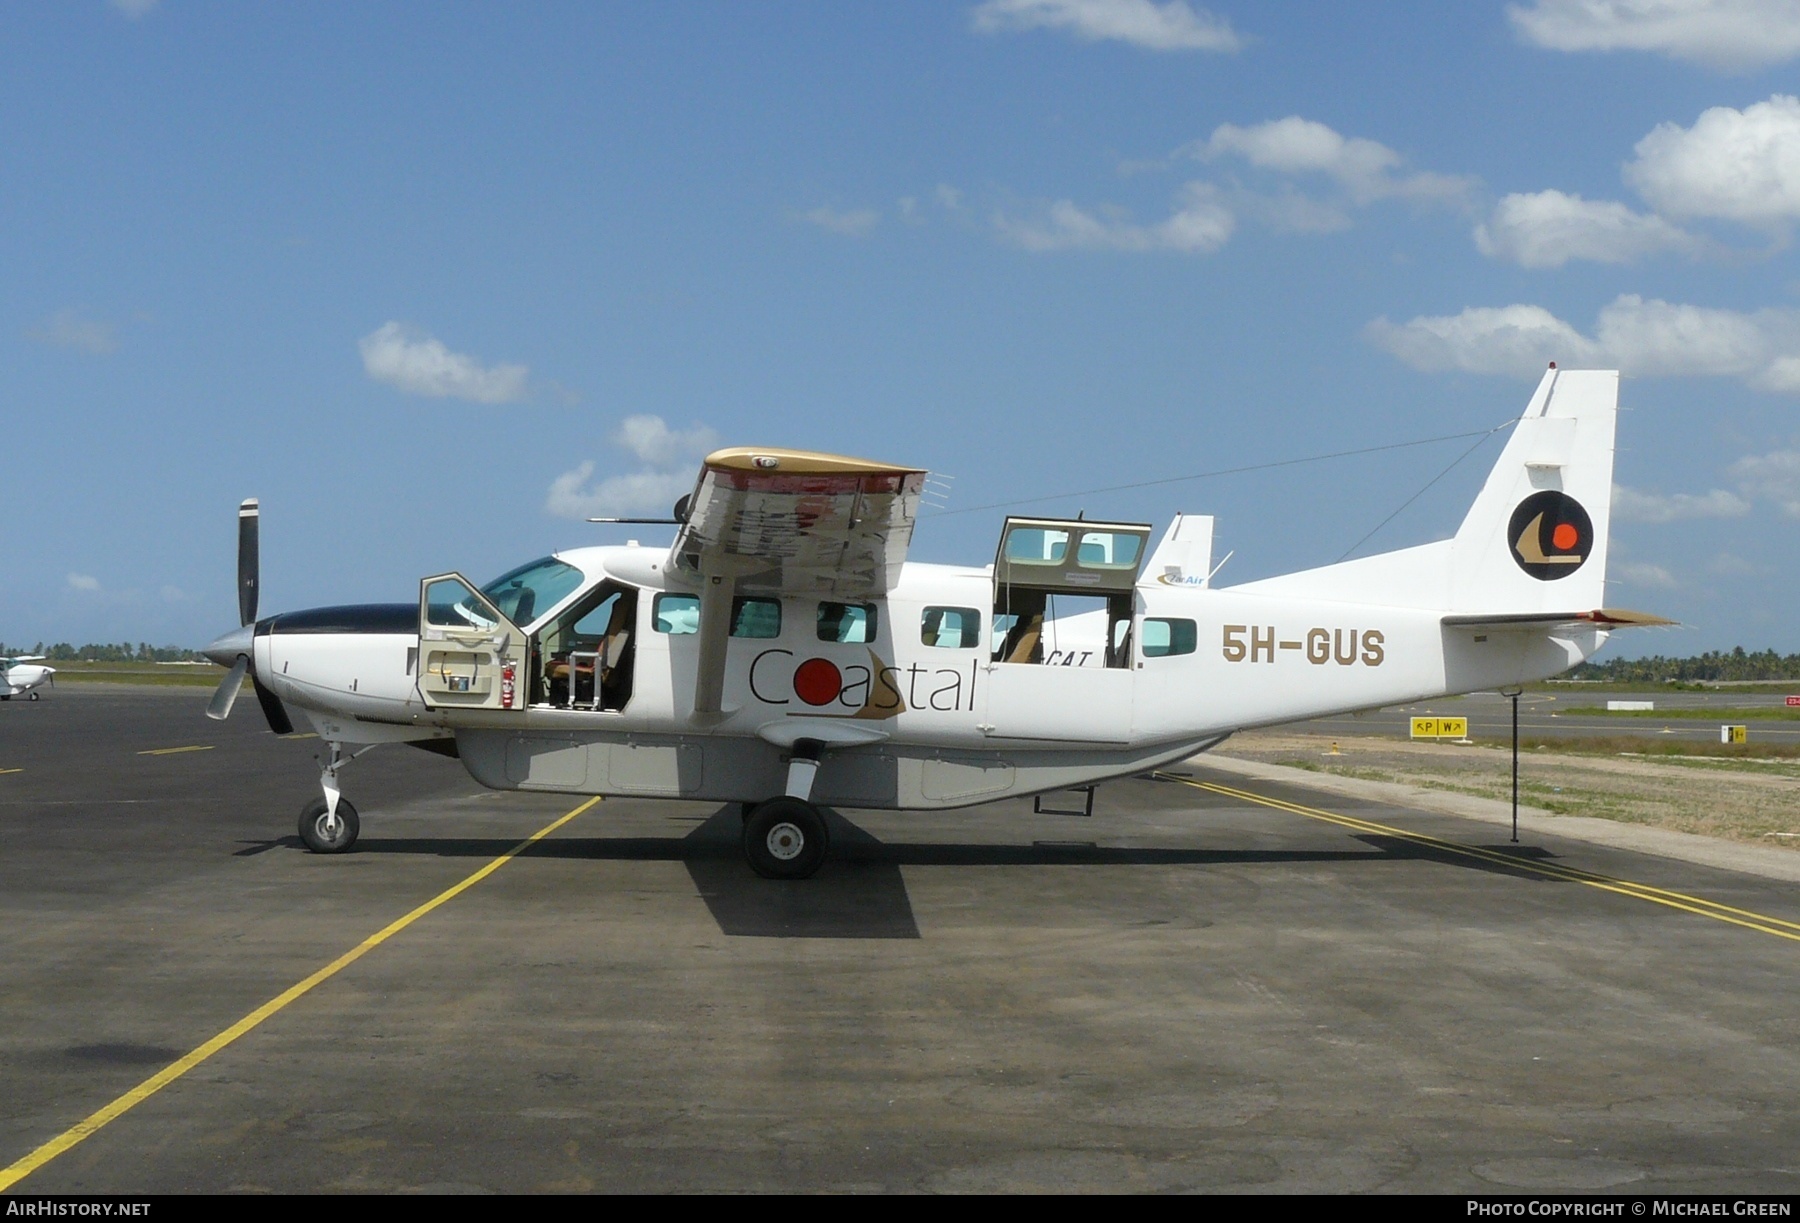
(1440,728)
(1734,734)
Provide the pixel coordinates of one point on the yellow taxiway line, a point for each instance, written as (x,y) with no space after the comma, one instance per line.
(5,771)
(1697,905)
(170,751)
(11,1175)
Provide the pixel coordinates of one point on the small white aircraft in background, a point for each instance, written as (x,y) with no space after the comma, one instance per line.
(18,676)
(784,654)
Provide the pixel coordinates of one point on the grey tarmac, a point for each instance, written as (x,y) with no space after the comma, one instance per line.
(1191,991)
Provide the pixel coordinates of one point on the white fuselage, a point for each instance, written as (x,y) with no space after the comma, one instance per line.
(21,678)
(911,722)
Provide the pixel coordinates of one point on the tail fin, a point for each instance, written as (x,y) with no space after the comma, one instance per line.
(1535,539)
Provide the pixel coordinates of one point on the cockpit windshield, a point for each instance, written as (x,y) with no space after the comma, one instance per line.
(529,591)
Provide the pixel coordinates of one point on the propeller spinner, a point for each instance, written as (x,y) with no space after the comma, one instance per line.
(236,648)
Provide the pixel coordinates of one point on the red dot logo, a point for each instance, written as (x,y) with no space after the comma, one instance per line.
(1565,537)
(817,682)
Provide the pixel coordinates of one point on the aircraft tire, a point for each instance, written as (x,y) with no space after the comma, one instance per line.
(34,696)
(786,838)
(312,830)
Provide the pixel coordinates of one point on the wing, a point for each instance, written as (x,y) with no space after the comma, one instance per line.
(788,522)
(794,522)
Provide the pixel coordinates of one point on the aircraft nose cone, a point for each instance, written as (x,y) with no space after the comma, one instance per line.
(226,649)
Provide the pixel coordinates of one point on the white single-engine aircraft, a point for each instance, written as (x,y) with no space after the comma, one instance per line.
(18,676)
(783,654)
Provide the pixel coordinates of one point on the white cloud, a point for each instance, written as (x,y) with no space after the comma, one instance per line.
(1206,214)
(950,197)
(1654,577)
(1735,165)
(1485,340)
(1733,35)
(134,8)
(1775,476)
(1731,565)
(173,594)
(1639,336)
(1547,229)
(651,441)
(1781,375)
(1367,170)
(665,453)
(66,329)
(1170,26)
(82,581)
(638,493)
(1200,224)
(852,224)
(1630,505)
(419,364)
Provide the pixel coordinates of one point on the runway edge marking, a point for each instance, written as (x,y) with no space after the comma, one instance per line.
(1697,905)
(98,1120)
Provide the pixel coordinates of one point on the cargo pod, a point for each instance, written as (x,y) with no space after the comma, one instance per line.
(1060,656)
(470,656)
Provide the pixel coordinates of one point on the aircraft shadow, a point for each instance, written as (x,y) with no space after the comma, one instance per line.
(860,892)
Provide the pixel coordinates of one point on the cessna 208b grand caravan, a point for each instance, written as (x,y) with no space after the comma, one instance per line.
(783,654)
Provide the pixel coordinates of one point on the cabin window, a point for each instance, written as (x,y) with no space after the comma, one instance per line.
(1036,546)
(677,614)
(1165,637)
(751,617)
(954,628)
(1109,550)
(852,623)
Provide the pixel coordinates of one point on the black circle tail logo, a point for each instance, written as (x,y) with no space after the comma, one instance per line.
(1551,535)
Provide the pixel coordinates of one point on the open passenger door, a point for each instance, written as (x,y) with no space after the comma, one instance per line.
(1064,595)
(470,656)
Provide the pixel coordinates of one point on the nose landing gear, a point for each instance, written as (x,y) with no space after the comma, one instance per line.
(329,825)
(326,831)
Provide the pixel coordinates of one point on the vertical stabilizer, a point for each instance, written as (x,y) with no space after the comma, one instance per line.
(1535,540)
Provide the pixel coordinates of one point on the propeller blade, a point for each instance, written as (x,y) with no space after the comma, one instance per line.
(219,708)
(272,709)
(249,561)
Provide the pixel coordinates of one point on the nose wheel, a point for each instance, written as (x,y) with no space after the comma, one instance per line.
(786,838)
(326,831)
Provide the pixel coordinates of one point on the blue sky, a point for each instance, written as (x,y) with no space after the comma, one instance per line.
(437,281)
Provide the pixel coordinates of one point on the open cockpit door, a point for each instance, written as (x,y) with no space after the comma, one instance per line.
(470,656)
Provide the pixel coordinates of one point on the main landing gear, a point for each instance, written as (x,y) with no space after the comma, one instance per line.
(329,825)
(786,837)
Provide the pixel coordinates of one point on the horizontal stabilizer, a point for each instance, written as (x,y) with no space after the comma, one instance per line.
(1605,617)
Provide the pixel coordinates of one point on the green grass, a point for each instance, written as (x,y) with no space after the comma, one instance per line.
(1638,745)
(158,674)
(1755,713)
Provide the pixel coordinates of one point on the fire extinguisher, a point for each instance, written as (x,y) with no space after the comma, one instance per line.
(507,671)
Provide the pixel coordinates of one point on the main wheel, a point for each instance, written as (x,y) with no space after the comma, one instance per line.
(320,836)
(34,696)
(786,838)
